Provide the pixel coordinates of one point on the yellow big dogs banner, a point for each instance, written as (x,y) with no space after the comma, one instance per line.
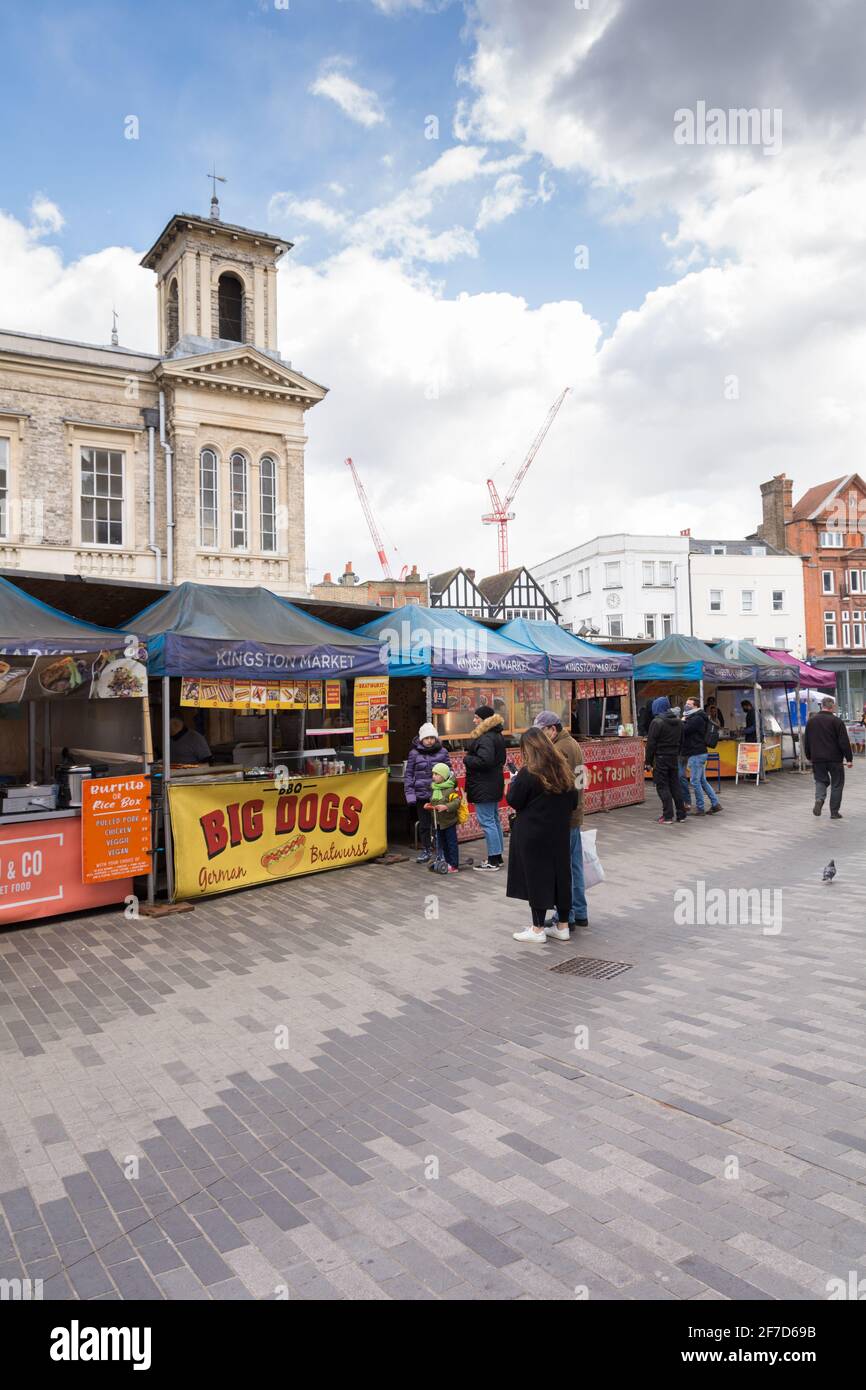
(234,834)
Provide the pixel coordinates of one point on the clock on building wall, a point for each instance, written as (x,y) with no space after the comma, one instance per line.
(613,600)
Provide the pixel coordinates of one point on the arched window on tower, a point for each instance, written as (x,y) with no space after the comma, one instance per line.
(171,317)
(268,503)
(240,502)
(230,305)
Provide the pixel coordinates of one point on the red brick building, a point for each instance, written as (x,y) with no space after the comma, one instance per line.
(379,593)
(827,529)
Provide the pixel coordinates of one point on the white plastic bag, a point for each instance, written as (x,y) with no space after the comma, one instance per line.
(593,872)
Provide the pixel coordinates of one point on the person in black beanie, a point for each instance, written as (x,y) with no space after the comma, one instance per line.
(484,761)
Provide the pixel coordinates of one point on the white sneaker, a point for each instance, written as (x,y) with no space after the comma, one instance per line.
(559,933)
(486,866)
(528,934)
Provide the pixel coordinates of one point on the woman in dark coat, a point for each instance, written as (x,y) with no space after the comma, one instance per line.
(484,761)
(543,796)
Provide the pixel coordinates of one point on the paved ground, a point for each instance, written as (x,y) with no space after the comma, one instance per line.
(436,1127)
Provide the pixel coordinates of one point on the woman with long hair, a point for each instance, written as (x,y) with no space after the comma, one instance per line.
(543,796)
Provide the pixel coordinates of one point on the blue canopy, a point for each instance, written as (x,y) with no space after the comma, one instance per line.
(567,656)
(29,627)
(208,630)
(679,657)
(441,642)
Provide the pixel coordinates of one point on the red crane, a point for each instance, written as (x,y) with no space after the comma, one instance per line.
(371,521)
(501,514)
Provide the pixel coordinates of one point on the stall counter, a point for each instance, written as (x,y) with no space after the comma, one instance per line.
(40,869)
(234,834)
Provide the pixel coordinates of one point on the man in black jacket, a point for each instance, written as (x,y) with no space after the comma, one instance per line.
(484,761)
(663,745)
(827,745)
(693,753)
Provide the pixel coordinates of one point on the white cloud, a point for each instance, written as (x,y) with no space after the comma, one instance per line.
(284,207)
(509,195)
(46,216)
(359,103)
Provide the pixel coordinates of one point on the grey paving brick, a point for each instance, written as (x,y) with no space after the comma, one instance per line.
(483,1243)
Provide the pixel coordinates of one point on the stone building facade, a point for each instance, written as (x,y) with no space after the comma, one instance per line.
(217,420)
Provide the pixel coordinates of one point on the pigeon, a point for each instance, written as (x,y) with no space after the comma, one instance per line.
(829,871)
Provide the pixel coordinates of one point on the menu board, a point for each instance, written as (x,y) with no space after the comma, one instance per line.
(333,695)
(204,693)
(115,828)
(119,674)
(749,760)
(371,715)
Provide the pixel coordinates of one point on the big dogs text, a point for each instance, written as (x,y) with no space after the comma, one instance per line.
(243,822)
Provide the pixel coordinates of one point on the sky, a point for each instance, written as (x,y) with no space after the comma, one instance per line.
(490,201)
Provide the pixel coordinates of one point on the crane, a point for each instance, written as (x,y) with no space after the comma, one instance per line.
(501,514)
(371,520)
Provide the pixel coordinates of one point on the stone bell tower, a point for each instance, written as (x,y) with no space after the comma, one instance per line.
(216,285)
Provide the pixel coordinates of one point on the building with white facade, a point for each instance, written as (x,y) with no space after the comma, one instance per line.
(621,586)
(630,587)
(736,591)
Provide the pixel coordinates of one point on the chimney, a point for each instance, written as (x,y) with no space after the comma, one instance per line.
(686,532)
(327,578)
(348,576)
(778,505)
(471,574)
(413,573)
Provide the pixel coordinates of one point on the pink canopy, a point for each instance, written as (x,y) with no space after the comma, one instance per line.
(809,676)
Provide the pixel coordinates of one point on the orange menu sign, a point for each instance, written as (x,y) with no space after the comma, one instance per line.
(115,821)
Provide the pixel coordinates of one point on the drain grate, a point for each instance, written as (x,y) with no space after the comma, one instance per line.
(591,969)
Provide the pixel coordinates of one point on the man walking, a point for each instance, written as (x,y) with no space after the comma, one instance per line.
(663,745)
(550,724)
(827,745)
(694,754)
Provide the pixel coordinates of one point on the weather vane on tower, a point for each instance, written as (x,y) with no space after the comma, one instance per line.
(214,202)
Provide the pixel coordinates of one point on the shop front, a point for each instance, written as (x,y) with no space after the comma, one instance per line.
(75,810)
(445,666)
(680,666)
(289,717)
(593,689)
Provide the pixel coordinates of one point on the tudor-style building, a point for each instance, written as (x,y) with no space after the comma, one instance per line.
(517,594)
(457,589)
(80,436)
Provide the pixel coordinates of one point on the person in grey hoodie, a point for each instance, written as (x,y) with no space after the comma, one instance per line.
(663,745)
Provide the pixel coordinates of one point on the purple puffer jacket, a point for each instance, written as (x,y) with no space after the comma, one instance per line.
(418,779)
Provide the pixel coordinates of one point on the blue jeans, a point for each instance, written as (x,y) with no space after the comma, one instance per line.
(448,846)
(488,818)
(698,772)
(578,892)
(684,781)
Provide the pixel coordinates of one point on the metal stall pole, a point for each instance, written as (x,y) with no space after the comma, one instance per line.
(147,739)
(800,758)
(166,778)
(270,749)
(428,699)
(633,720)
(31,738)
(758,730)
(701,692)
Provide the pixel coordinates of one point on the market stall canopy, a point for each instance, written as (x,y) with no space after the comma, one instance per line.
(805,675)
(208,630)
(567,656)
(679,657)
(441,642)
(768,670)
(29,627)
